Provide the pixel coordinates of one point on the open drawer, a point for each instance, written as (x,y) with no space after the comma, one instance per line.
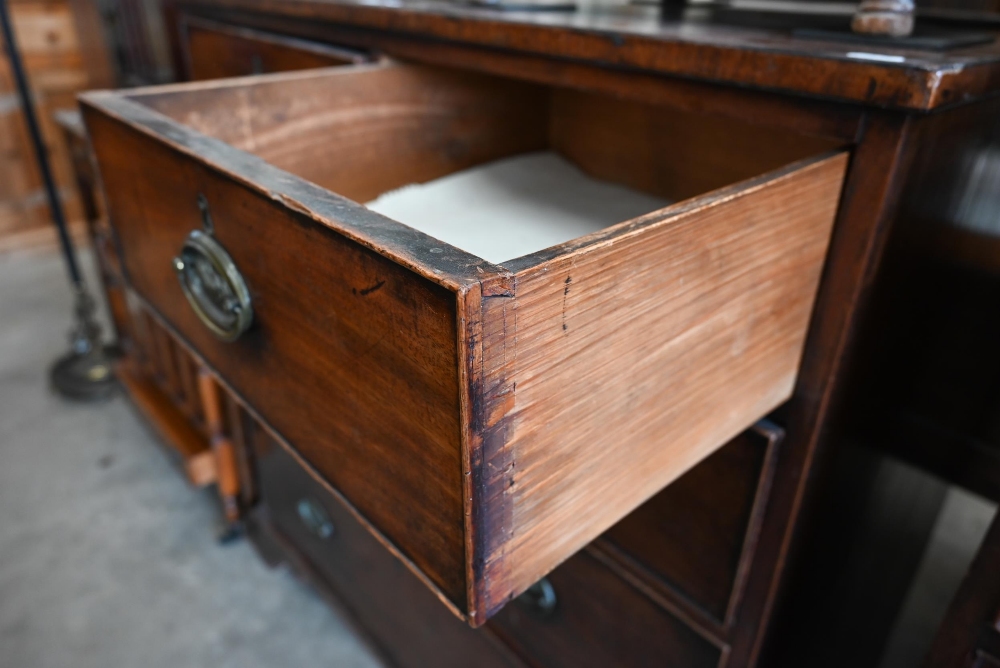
(485,419)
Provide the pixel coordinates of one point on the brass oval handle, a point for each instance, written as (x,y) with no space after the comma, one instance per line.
(315,518)
(539,599)
(213,285)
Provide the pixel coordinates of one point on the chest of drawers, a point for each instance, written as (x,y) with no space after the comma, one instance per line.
(478,422)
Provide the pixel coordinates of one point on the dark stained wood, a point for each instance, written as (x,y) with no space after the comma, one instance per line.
(879,167)
(409,625)
(215,50)
(692,537)
(358,353)
(352,331)
(968,635)
(578,75)
(620,625)
(635,37)
(763,109)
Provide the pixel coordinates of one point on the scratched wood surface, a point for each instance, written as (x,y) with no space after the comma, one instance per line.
(639,354)
(361,131)
(642,38)
(485,421)
(351,358)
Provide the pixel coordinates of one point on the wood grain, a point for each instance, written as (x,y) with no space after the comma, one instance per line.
(351,357)
(665,152)
(709,307)
(215,50)
(361,131)
(473,412)
(636,37)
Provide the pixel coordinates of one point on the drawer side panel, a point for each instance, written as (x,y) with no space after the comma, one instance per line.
(352,358)
(641,352)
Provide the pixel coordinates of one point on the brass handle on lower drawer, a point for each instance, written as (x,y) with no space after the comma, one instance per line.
(315,518)
(213,285)
(539,599)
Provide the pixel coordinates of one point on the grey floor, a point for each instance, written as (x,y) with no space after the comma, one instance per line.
(107,558)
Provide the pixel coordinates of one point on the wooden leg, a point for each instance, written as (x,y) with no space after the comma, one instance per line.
(867,208)
(227,471)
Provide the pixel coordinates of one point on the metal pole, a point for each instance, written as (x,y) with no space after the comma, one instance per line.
(85,372)
(41,153)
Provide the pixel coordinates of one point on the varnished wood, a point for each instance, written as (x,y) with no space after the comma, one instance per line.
(215,50)
(762,108)
(689,352)
(363,345)
(226,467)
(192,448)
(636,37)
(879,167)
(473,487)
(407,623)
(622,627)
(693,540)
(670,154)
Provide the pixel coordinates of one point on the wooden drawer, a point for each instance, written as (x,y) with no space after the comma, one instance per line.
(394,607)
(583,615)
(212,50)
(488,420)
(696,538)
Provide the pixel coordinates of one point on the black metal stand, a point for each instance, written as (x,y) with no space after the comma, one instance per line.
(84,372)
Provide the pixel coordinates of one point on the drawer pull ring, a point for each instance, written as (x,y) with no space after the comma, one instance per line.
(315,518)
(539,599)
(213,285)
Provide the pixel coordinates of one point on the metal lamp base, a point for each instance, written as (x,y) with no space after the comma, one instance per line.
(85,373)
(84,377)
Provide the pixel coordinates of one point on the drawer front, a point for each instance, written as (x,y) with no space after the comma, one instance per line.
(694,536)
(586,616)
(350,357)
(470,411)
(403,616)
(215,50)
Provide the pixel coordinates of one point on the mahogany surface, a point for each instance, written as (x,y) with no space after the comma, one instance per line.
(709,297)
(791,92)
(637,37)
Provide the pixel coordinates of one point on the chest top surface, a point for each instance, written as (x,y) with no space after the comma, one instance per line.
(765,54)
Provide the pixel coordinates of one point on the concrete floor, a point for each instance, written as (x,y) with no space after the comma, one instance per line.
(107,558)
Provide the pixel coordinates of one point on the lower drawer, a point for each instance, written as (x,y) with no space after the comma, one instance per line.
(584,615)
(399,612)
